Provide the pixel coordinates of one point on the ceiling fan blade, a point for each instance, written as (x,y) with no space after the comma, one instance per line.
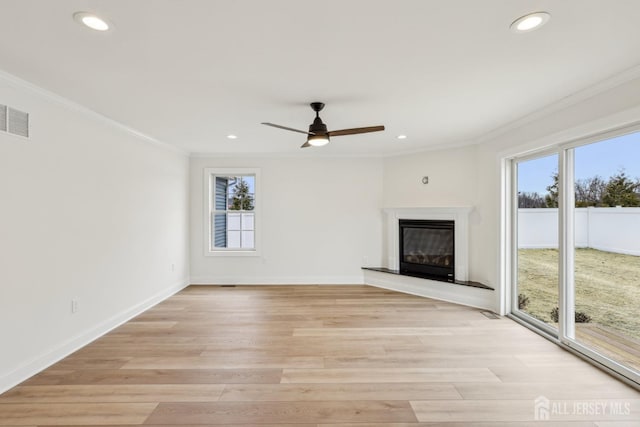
(355,131)
(286,128)
(305,145)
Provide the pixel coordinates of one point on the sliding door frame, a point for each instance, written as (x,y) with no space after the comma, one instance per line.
(565,334)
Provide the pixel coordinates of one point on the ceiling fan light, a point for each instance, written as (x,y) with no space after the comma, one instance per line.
(318,140)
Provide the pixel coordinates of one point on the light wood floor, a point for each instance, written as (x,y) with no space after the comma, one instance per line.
(318,356)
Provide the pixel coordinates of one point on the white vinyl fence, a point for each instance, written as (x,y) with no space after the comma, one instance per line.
(606,229)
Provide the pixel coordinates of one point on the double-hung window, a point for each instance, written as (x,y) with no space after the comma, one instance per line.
(232,211)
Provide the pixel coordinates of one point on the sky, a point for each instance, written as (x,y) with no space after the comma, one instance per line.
(250,180)
(604,158)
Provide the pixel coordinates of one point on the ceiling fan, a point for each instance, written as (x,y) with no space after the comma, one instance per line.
(318,134)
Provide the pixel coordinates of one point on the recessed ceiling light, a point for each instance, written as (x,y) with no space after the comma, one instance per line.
(401,136)
(92,21)
(530,22)
(232,136)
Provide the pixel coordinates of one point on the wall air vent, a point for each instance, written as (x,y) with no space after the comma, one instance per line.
(3,118)
(18,122)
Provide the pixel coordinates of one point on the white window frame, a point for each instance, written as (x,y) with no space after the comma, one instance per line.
(209,186)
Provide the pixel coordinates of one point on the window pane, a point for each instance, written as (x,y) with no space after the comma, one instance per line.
(241,194)
(220,202)
(607,248)
(220,230)
(247,221)
(247,240)
(234,239)
(233,221)
(537,239)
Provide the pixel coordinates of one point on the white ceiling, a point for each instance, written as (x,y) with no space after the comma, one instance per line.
(443,72)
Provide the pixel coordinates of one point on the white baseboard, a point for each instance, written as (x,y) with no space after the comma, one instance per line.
(458,294)
(301,280)
(39,363)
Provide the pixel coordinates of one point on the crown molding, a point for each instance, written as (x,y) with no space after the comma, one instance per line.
(79,108)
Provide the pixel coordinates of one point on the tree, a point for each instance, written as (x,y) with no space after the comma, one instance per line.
(551,199)
(530,200)
(590,192)
(241,198)
(621,191)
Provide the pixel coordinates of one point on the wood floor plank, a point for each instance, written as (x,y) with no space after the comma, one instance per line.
(348,332)
(231,361)
(158,376)
(326,392)
(470,424)
(422,361)
(135,393)
(227,413)
(74,413)
(140,325)
(519,411)
(196,425)
(551,390)
(404,375)
(206,332)
(335,349)
(125,353)
(581,372)
(252,341)
(617,424)
(99,361)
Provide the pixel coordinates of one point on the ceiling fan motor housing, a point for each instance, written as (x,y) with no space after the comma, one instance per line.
(317,127)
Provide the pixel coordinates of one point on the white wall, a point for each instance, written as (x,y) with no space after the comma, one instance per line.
(452,179)
(606,229)
(321,221)
(88,212)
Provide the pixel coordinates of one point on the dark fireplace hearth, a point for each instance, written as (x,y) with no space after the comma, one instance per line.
(427,249)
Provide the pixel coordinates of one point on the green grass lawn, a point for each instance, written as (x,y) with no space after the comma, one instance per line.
(607,286)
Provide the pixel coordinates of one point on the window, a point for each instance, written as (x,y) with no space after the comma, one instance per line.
(232,211)
(574,240)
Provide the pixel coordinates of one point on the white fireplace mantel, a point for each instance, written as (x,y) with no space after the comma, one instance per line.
(460,216)
(468,295)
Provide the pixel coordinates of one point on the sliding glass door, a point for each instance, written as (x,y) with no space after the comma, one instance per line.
(536,266)
(606,249)
(576,247)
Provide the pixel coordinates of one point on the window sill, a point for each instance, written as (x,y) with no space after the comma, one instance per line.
(232,253)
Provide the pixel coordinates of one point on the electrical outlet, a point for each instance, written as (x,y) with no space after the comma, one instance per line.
(365,261)
(74,306)
(173,267)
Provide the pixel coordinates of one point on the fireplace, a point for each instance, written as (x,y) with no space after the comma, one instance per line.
(427,248)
